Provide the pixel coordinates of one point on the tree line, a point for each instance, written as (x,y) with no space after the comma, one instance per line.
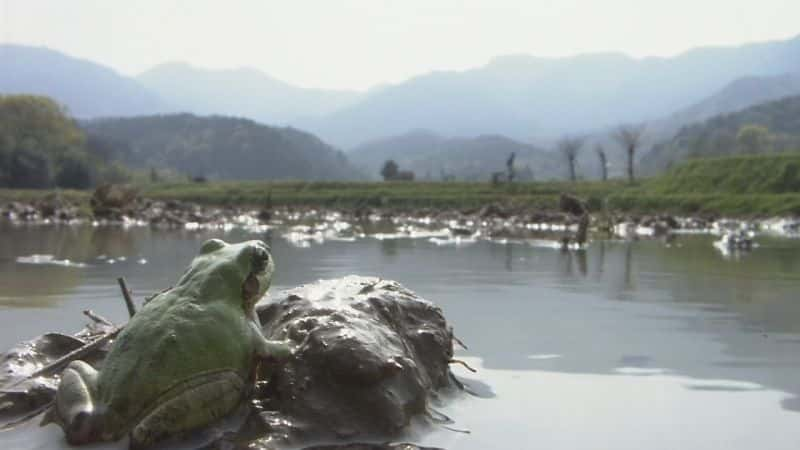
(629,137)
(42,147)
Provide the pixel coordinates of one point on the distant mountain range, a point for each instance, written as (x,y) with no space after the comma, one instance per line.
(525,98)
(434,157)
(241,92)
(777,129)
(220,148)
(737,95)
(85,88)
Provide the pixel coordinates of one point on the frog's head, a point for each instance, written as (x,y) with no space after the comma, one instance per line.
(237,273)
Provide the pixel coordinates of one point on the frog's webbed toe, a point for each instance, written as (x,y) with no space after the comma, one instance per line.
(74,402)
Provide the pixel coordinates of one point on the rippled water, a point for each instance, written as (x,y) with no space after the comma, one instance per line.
(626,345)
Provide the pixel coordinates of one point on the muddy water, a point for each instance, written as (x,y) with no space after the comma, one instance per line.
(625,345)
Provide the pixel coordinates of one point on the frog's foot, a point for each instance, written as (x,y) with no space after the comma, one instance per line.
(74,405)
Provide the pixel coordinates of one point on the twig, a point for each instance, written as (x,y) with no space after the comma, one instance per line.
(126,294)
(79,353)
(458,361)
(97,318)
(456,339)
(62,362)
(455,429)
(17,422)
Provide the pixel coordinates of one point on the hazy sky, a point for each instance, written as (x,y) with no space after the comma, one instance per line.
(360,43)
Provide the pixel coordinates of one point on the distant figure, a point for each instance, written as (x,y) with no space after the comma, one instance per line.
(574,206)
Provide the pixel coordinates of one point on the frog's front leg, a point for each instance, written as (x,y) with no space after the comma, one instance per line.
(266,349)
(75,403)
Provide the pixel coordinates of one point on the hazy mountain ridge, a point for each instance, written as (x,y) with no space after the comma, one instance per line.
(718,136)
(523,96)
(222,148)
(433,157)
(519,96)
(244,92)
(737,95)
(87,89)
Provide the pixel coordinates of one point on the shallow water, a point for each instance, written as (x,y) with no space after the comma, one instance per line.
(624,345)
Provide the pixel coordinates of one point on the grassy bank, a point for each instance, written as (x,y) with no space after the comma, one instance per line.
(392,194)
(746,174)
(737,186)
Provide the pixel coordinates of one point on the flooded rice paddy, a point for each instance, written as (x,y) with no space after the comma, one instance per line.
(628,344)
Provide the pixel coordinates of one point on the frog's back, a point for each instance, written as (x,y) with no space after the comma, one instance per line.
(171,345)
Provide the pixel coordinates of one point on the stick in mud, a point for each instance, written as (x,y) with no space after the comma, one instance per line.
(62,362)
(76,354)
(97,318)
(79,353)
(126,294)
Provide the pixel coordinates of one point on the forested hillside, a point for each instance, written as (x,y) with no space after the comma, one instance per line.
(742,174)
(433,157)
(767,127)
(221,148)
(41,147)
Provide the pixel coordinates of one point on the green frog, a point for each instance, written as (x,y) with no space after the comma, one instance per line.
(186,359)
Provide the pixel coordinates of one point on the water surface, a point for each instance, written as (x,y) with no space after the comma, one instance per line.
(624,345)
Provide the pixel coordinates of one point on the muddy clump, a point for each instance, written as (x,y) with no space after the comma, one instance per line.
(370,355)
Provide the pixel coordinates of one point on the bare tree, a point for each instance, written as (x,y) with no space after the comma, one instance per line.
(629,137)
(570,147)
(510,167)
(601,153)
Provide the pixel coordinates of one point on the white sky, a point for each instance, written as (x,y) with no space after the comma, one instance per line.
(361,43)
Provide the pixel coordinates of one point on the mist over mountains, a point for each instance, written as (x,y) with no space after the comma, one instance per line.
(523,96)
(87,89)
(485,112)
(736,95)
(241,92)
(773,127)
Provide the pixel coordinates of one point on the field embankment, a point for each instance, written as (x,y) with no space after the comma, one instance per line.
(761,185)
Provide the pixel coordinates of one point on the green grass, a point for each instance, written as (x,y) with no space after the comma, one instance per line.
(751,174)
(739,186)
(392,194)
(35,195)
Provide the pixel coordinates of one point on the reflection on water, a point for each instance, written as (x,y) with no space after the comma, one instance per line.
(600,335)
(545,410)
